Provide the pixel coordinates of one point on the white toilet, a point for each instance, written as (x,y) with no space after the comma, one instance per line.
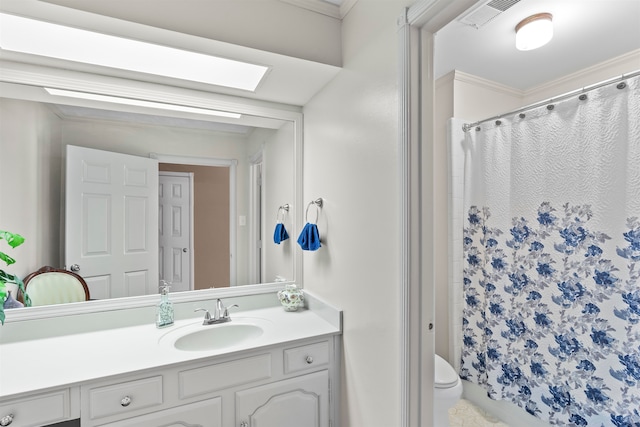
(447,391)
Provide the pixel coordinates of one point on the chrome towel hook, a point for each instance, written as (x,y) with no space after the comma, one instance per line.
(318,204)
(281,210)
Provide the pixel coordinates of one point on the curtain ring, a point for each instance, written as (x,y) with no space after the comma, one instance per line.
(318,205)
(281,210)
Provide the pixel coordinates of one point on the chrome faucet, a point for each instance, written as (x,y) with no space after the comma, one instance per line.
(220,314)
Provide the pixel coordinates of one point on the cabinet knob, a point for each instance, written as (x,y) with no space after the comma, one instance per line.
(126,401)
(309,360)
(244,424)
(6,420)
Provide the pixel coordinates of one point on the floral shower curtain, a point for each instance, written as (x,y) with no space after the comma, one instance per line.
(551,259)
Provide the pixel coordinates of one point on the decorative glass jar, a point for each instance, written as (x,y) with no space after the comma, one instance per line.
(11,302)
(291,297)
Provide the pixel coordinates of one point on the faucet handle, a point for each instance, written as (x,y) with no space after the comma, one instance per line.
(207,315)
(226,311)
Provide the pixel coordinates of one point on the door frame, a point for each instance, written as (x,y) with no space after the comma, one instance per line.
(232,165)
(256,218)
(416,93)
(188,175)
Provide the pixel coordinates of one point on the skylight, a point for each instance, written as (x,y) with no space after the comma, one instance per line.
(34,37)
(139,103)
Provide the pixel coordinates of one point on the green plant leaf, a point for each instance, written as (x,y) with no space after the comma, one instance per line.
(13,239)
(6,258)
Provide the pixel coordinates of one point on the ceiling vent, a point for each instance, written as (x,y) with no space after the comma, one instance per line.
(481,15)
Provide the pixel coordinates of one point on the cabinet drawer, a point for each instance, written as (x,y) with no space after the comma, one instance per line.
(306,357)
(194,382)
(38,410)
(206,413)
(125,397)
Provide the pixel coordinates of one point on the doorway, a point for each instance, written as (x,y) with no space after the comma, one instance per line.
(211,224)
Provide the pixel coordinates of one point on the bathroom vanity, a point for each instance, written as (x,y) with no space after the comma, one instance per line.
(265,367)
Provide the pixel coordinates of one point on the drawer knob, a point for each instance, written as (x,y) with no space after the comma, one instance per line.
(126,401)
(6,420)
(309,360)
(244,424)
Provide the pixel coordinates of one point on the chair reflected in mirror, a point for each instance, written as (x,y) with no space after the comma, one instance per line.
(51,285)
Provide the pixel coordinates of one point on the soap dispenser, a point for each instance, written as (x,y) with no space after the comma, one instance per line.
(164,315)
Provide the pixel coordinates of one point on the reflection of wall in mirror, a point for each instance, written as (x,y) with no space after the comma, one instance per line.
(278,170)
(31,176)
(211,220)
(36,136)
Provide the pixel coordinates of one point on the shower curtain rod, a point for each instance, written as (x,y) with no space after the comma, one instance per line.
(468,126)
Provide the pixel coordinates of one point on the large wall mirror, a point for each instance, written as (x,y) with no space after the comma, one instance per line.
(254,165)
(259,153)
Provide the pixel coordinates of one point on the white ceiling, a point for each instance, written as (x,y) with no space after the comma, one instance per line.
(586,32)
(290,80)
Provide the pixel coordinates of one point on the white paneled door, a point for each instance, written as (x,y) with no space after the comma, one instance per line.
(112,222)
(175,219)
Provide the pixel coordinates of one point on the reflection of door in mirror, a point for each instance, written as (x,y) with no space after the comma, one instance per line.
(175,229)
(112,221)
(211,244)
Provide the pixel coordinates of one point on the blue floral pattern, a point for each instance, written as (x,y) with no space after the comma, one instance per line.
(550,319)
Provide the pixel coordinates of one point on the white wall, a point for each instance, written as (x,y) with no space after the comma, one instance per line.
(30,177)
(351,161)
(278,162)
(278,189)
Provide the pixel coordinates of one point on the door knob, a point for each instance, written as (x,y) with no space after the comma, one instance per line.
(75,267)
(184,250)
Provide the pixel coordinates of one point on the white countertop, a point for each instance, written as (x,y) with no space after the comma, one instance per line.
(45,363)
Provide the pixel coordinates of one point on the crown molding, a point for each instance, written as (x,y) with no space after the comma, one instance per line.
(319,6)
(626,63)
(463,77)
(346,6)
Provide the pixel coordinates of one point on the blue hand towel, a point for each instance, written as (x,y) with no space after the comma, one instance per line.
(280,234)
(309,239)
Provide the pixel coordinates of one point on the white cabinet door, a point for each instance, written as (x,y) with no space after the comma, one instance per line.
(300,401)
(112,222)
(207,413)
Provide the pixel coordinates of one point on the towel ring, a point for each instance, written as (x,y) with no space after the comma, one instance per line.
(281,210)
(318,205)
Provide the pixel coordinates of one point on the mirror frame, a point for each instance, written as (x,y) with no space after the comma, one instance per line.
(39,76)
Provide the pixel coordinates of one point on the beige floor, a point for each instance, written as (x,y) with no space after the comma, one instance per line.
(465,414)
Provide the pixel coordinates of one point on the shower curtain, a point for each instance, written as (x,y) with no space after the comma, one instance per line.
(551,259)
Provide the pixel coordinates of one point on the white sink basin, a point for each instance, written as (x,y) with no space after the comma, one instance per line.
(214,337)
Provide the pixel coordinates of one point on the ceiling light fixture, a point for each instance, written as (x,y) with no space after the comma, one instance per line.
(139,103)
(534,31)
(34,37)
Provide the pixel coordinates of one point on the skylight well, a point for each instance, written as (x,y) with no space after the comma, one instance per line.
(34,37)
